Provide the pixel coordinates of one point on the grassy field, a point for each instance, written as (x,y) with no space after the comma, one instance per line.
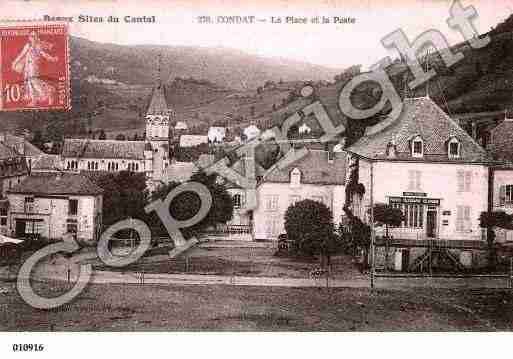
(222,308)
(228,259)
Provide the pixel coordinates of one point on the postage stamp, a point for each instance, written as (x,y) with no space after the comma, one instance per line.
(34,67)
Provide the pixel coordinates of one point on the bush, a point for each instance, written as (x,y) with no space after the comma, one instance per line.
(310,225)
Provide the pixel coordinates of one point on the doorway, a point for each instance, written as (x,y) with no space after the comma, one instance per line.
(20,228)
(431,223)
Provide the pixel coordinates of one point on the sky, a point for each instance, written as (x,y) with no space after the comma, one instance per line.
(333,45)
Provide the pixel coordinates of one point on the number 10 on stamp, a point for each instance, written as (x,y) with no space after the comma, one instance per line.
(34,67)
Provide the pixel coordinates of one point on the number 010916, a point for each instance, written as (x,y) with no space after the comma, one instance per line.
(28,347)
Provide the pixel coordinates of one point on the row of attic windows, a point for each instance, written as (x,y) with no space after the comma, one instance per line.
(453,148)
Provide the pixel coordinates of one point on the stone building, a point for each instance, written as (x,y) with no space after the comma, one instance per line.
(50,205)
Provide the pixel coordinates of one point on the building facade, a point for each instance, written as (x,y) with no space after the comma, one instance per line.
(430,168)
(51,205)
(319,176)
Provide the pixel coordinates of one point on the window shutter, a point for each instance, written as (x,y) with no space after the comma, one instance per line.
(461,181)
(468,181)
(502,195)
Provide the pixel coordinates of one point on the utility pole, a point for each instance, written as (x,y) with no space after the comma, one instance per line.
(372,247)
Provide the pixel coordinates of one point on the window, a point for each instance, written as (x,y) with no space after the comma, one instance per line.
(454,148)
(417,148)
(73,207)
(29,204)
(295,178)
(237,201)
(506,194)
(413,214)
(271,203)
(463,223)
(71,228)
(464,181)
(3,216)
(331,156)
(414,180)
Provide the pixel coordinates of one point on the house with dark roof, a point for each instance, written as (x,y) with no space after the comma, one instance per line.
(320,176)
(51,205)
(425,164)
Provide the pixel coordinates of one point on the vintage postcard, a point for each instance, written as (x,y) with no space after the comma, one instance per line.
(256,166)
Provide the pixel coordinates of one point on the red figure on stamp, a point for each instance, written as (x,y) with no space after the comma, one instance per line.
(34,68)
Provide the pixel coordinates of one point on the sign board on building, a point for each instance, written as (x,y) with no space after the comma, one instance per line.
(414,200)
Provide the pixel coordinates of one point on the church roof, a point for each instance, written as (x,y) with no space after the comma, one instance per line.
(420,117)
(86,148)
(158,104)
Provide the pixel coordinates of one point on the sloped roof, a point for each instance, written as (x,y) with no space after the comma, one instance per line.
(420,117)
(314,167)
(56,184)
(85,148)
(47,163)
(158,104)
(29,149)
(501,142)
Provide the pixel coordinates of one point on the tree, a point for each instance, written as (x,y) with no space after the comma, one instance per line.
(38,139)
(186,204)
(310,225)
(102,135)
(389,216)
(491,220)
(125,195)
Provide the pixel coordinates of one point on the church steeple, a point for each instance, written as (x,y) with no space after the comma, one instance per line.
(159,114)
(158,104)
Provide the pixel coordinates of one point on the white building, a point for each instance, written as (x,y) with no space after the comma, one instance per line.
(251,132)
(430,168)
(192,140)
(216,134)
(319,176)
(51,205)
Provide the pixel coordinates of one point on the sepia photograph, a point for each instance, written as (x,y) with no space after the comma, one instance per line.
(255,168)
